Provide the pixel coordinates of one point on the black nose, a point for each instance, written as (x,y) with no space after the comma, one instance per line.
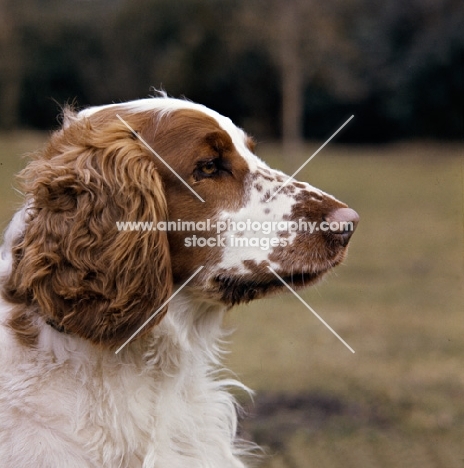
(341,224)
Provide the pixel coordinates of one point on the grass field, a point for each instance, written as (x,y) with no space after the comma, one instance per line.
(398,301)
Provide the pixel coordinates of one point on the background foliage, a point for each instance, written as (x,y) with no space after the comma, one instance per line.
(292,66)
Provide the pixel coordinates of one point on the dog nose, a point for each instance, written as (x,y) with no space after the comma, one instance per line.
(341,223)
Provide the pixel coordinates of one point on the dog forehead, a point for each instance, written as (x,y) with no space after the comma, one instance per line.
(164,106)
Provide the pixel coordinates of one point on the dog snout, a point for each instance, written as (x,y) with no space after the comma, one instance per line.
(342,223)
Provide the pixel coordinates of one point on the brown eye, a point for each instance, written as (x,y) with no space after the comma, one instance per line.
(208,168)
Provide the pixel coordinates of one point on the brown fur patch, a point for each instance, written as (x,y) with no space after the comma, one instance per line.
(73,264)
(183,139)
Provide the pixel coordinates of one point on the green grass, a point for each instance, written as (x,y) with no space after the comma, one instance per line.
(13,150)
(397,300)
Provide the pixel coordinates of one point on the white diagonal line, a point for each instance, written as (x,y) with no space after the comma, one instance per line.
(159,157)
(307,161)
(159,308)
(313,311)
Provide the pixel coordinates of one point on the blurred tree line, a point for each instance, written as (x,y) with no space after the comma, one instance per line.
(281,68)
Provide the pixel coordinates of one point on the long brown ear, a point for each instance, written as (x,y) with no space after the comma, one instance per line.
(73,264)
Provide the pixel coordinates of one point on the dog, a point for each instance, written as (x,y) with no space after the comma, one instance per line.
(143,223)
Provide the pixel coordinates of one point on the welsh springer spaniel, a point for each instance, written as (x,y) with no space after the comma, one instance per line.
(77,388)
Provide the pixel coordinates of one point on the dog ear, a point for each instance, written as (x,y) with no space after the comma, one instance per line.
(82,272)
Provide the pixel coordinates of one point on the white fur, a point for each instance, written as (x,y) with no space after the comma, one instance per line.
(155,405)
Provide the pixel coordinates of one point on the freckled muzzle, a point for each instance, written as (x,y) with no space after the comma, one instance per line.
(301,262)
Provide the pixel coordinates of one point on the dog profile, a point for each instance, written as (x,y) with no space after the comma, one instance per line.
(110,332)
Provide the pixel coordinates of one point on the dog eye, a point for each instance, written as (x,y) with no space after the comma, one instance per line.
(207,169)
